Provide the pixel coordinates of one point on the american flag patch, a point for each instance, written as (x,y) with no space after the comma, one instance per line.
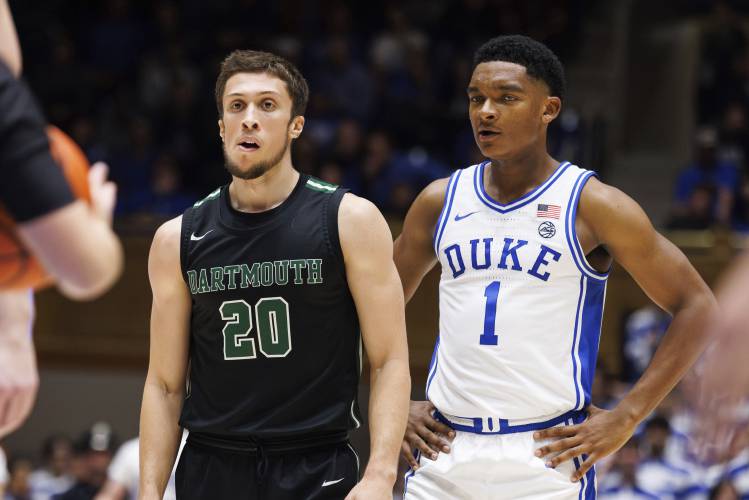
(549,211)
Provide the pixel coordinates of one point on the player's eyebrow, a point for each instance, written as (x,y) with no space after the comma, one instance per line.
(507,87)
(242,94)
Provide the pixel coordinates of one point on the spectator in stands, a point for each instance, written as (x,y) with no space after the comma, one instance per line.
(92,454)
(19,468)
(656,474)
(699,179)
(621,482)
(54,477)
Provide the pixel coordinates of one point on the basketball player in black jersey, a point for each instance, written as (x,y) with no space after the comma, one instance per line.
(259,294)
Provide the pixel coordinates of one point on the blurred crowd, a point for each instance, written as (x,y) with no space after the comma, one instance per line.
(132,81)
(714,189)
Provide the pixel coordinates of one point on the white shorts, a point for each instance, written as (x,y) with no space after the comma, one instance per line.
(496,467)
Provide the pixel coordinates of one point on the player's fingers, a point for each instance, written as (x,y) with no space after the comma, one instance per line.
(563,457)
(408,455)
(436,441)
(556,432)
(558,446)
(436,426)
(584,467)
(418,443)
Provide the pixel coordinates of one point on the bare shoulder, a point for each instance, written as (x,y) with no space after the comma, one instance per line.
(609,211)
(165,247)
(358,216)
(432,197)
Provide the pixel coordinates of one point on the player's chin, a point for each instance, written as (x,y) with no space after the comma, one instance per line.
(493,150)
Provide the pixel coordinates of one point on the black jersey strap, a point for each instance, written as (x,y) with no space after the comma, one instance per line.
(184,246)
(331,217)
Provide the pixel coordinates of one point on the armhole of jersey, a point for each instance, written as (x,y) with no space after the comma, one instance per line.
(439,228)
(576,250)
(185,240)
(331,221)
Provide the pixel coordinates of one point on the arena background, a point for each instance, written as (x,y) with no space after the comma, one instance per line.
(651,84)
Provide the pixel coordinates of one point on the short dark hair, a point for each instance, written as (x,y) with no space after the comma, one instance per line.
(254,61)
(539,61)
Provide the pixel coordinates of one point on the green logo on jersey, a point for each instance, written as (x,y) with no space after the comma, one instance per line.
(278,272)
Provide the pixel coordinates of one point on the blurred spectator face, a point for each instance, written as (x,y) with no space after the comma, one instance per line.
(701,202)
(166,178)
(734,118)
(257,126)
(505,107)
(657,432)
(627,460)
(60,455)
(349,137)
(378,154)
(18,486)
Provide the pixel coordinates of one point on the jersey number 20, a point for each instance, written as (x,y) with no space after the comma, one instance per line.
(273,329)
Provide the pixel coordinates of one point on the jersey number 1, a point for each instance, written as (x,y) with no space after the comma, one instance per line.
(273,329)
(490,315)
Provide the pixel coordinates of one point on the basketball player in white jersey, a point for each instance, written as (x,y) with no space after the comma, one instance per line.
(525,243)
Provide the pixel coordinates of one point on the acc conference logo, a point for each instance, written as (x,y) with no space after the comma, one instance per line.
(546,229)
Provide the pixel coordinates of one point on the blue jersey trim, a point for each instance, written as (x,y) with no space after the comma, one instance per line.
(478,184)
(578,256)
(505,427)
(590,334)
(439,229)
(433,365)
(574,349)
(411,473)
(738,470)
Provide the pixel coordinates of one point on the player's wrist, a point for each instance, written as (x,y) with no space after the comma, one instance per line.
(380,473)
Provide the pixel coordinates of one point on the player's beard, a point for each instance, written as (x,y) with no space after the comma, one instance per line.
(259,168)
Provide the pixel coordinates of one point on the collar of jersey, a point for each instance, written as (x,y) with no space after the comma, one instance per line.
(478,184)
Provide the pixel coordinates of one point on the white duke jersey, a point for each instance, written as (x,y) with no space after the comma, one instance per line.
(520,307)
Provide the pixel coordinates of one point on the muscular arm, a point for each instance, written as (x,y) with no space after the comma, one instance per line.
(665,275)
(165,383)
(373,280)
(612,219)
(413,251)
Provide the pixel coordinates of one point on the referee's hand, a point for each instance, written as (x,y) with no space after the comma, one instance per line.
(425,434)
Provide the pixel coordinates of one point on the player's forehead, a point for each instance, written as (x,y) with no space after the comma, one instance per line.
(496,75)
(249,85)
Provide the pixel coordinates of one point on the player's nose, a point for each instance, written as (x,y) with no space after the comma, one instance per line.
(488,111)
(250,119)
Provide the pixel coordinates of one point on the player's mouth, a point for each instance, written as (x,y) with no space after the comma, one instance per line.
(248,145)
(487,134)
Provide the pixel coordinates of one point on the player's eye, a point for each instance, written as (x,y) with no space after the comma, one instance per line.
(475,99)
(268,105)
(509,98)
(236,105)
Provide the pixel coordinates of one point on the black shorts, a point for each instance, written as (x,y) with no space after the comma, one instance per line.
(323,471)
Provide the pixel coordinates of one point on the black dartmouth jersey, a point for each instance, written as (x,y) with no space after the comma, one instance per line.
(274,336)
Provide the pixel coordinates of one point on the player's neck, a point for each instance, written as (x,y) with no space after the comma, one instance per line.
(509,179)
(267,191)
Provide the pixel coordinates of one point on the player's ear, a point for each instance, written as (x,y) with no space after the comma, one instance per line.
(552,107)
(221,129)
(296,126)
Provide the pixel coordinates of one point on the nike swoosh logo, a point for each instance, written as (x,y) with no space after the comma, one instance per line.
(328,483)
(198,238)
(461,217)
